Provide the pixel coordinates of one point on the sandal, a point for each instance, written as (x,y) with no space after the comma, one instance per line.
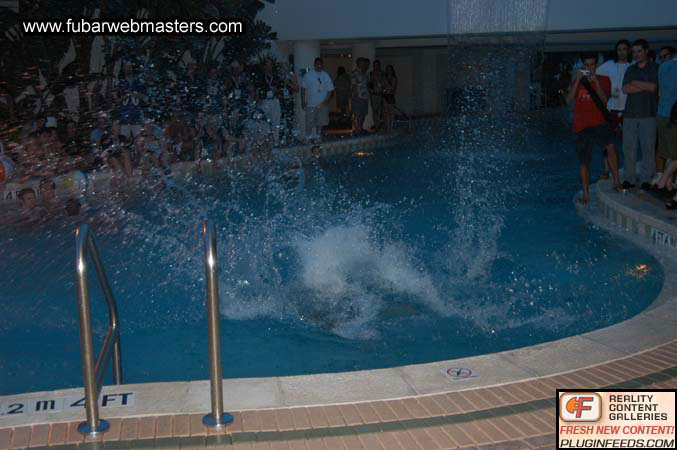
(672,204)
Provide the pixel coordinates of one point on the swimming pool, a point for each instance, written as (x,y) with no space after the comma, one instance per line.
(437,249)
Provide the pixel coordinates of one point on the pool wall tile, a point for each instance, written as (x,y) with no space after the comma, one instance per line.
(594,379)
(315,444)
(461,402)
(279,445)
(58,433)
(317,417)
(163,426)
(388,441)
(250,421)
(660,353)
(180,425)
(74,436)
(129,429)
(538,420)
(623,369)
(284,419)
(430,405)
(475,433)
(445,405)
(651,358)
(475,400)
(334,416)
(541,441)
(351,416)
(297,445)
(242,446)
(397,406)
(601,373)
(549,383)
(39,435)
(21,437)
(490,398)
(367,412)
(147,427)
(542,388)
(415,408)
(267,419)
(5,438)
(530,393)
(522,423)
(113,432)
(457,435)
(405,439)
(491,429)
(423,439)
(511,432)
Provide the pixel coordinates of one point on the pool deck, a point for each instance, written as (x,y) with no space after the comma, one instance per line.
(504,400)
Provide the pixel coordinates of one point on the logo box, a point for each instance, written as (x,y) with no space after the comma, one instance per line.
(579,406)
(584,412)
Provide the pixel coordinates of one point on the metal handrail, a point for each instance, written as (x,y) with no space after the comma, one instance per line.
(217,418)
(93,374)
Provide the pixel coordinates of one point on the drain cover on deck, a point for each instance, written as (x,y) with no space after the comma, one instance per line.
(460,373)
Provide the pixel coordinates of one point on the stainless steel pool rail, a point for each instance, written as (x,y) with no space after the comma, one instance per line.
(93,374)
(217,418)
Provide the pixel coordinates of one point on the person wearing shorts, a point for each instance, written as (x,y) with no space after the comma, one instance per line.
(667,130)
(360,100)
(615,70)
(590,126)
(639,120)
(317,89)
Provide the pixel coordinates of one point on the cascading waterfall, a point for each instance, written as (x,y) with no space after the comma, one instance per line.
(494,48)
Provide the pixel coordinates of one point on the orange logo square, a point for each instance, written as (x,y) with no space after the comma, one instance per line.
(580,407)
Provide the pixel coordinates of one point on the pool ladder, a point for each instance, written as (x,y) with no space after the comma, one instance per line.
(93,374)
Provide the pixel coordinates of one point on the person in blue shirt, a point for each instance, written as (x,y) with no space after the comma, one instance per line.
(666,128)
(131,96)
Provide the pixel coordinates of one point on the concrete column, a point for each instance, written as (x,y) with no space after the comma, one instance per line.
(305,53)
(429,94)
(365,50)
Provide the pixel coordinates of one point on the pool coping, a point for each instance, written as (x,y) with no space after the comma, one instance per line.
(602,346)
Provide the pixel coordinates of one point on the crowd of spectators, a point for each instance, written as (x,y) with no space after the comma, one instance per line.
(139,126)
(206,115)
(211,116)
(632,100)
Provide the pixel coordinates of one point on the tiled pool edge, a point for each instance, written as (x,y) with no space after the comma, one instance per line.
(520,415)
(514,366)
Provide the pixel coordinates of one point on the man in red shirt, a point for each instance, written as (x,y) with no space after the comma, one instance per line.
(590,125)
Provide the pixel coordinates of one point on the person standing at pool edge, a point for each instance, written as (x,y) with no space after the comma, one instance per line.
(317,88)
(639,122)
(615,70)
(590,125)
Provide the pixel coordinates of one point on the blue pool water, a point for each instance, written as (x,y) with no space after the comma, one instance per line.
(437,249)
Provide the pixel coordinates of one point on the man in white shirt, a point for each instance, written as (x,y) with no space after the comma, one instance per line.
(615,70)
(317,89)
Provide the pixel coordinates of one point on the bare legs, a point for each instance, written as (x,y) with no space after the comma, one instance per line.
(668,174)
(612,158)
(584,172)
(585,181)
